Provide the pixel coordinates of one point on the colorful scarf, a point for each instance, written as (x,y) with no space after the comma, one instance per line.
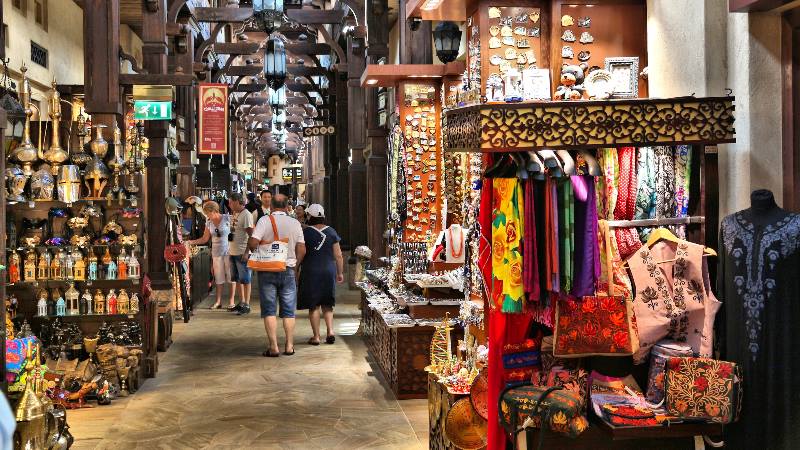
(587,252)
(507,229)
(626,197)
(665,182)
(530,266)
(551,236)
(683,168)
(566,232)
(645,188)
(608,184)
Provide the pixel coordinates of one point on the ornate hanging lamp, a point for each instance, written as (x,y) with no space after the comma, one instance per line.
(275,63)
(447,40)
(268,14)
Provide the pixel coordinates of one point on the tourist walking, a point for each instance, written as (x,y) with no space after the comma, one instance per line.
(279,288)
(218,227)
(241,229)
(264,208)
(322,268)
(300,214)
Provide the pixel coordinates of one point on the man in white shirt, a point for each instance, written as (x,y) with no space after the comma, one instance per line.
(279,287)
(241,229)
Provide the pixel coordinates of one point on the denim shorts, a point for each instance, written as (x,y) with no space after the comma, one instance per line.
(277,287)
(239,271)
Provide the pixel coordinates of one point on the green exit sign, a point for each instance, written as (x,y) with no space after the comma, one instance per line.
(152,110)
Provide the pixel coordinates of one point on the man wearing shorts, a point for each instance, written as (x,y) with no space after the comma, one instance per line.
(241,229)
(279,288)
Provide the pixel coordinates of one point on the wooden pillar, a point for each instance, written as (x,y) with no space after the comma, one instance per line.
(357,141)
(103,97)
(154,50)
(342,200)
(331,164)
(415,46)
(185,111)
(377,161)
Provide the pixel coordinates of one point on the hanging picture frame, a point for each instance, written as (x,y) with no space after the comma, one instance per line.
(624,76)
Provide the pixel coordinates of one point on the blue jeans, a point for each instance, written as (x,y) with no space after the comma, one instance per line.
(274,287)
(239,271)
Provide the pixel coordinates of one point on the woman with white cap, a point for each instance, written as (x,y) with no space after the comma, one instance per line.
(322,268)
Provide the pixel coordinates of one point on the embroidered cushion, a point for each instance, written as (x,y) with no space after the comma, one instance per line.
(703,388)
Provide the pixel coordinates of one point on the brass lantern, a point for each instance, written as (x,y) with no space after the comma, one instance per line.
(275,63)
(268,14)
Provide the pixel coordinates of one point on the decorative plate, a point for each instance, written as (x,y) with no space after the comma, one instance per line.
(599,84)
(464,427)
(478,394)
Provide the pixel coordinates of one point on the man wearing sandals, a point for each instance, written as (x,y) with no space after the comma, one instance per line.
(279,288)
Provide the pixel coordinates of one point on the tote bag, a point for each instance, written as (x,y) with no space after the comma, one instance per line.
(270,256)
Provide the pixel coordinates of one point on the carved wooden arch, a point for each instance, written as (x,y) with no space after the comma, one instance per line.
(198,55)
(328,39)
(175,7)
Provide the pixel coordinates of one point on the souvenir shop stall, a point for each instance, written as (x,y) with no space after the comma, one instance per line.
(595,229)
(79,319)
(416,322)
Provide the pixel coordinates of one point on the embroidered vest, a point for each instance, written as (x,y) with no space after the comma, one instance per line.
(673,299)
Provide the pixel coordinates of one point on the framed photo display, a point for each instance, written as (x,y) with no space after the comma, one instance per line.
(624,76)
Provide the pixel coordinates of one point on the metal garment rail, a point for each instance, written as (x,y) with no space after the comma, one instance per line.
(655,222)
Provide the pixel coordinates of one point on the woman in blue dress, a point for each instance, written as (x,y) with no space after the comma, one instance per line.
(321,269)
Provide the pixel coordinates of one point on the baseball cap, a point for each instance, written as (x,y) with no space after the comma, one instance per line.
(315,210)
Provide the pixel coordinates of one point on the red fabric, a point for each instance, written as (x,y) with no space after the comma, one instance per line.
(628,242)
(626,197)
(504,329)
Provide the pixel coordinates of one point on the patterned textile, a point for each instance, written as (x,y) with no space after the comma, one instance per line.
(530,263)
(609,250)
(566,235)
(485,213)
(683,166)
(665,182)
(702,388)
(626,198)
(608,183)
(672,297)
(562,408)
(658,365)
(645,188)
(592,326)
(507,228)
(552,283)
(569,379)
(587,252)
(627,241)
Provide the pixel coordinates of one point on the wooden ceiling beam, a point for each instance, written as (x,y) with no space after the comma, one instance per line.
(156,78)
(252,87)
(316,16)
(308,48)
(222,14)
(236,48)
(244,71)
(305,71)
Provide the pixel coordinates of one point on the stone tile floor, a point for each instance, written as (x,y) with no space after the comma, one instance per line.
(214,390)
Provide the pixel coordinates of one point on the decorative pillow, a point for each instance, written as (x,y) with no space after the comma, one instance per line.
(703,388)
(593,326)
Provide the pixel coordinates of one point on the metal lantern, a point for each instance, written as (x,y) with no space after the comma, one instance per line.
(277,99)
(15,112)
(447,39)
(275,63)
(268,14)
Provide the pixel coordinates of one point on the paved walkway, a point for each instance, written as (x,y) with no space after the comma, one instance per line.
(215,390)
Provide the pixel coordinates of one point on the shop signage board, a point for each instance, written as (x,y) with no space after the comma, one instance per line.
(152,110)
(287,172)
(213,119)
(322,130)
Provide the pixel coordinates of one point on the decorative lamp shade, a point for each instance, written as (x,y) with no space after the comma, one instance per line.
(275,64)
(268,14)
(15,113)
(447,39)
(277,99)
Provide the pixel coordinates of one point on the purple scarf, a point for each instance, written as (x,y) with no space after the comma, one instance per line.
(530,263)
(587,250)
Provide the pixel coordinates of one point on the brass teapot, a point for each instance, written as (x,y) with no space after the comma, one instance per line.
(26,153)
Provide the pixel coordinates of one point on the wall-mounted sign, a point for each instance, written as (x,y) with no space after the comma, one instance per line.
(288,171)
(152,110)
(213,119)
(321,130)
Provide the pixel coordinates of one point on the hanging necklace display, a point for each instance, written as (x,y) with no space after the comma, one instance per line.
(456,254)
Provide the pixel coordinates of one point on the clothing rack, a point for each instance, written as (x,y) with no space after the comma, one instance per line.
(655,222)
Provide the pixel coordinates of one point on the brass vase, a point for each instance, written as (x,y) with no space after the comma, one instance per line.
(55,155)
(26,153)
(99,145)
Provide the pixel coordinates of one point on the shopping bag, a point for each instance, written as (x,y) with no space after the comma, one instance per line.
(270,256)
